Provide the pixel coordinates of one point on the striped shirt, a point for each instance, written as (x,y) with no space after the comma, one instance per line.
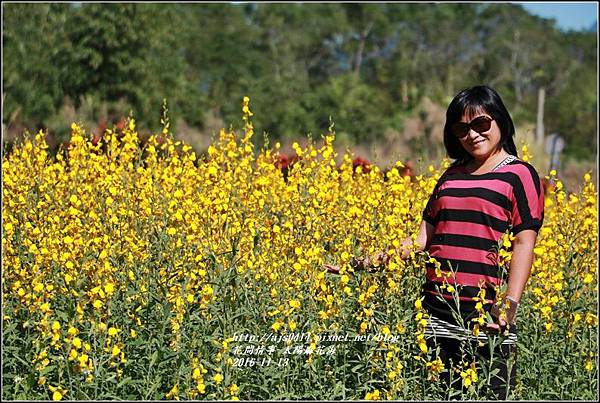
(470,214)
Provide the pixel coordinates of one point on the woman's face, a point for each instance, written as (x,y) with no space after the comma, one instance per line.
(480,145)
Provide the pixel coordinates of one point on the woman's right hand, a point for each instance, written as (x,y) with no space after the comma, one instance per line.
(331,268)
(356,263)
(381,258)
(360,263)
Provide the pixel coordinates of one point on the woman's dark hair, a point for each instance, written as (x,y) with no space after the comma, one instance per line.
(472,100)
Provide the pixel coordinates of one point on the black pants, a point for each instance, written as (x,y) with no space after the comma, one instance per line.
(453,352)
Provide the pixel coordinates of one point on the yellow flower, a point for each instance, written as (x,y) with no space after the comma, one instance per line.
(134,201)
(375,395)
(469,376)
(173,393)
(83,359)
(233,389)
(345,279)
(434,368)
(589,366)
(72,354)
(218,378)
(109,288)
(57,392)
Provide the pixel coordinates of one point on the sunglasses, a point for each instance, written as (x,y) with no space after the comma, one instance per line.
(479,124)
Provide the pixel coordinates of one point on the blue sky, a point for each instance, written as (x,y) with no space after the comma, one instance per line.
(572,15)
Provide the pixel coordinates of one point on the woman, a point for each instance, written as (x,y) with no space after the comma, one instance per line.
(486,191)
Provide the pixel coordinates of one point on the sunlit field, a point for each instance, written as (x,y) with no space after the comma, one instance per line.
(144,271)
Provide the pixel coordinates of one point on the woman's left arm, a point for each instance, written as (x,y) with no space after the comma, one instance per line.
(527,217)
(520,269)
(520,263)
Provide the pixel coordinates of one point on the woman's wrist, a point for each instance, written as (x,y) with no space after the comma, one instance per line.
(506,309)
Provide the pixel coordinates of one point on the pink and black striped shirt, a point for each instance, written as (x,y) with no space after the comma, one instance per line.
(470,214)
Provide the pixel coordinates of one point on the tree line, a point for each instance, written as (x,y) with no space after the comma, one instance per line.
(367,66)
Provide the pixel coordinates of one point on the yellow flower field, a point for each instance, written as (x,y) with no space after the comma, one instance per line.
(147,272)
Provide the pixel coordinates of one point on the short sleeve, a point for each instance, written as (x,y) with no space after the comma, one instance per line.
(527,201)
(430,211)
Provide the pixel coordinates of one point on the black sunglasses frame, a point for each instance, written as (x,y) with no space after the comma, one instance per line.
(461,129)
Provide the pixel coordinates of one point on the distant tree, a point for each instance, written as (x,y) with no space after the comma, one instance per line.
(573,109)
(368,66)
(123,51)
(354,107)
(32,36)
